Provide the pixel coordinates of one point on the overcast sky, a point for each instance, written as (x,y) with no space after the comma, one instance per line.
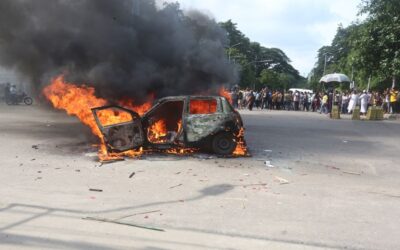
(298,27)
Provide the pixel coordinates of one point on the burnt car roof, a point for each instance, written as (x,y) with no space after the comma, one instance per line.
(182,97)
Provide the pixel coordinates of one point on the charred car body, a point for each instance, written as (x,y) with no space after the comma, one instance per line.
(203,122)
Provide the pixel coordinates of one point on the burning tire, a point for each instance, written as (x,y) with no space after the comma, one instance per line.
(28,101)
(223,144)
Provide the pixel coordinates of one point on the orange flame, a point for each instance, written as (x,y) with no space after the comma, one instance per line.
(109,117)
(140,109)
(203,106)
(179,126)
(225,93)
(75,101)
(241,148)
(79,100)
(157,132)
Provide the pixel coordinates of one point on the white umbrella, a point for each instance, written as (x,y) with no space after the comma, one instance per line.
(335,78)
(330,80)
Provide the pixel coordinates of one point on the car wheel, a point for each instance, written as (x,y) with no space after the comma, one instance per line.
(223,144)
(28,101)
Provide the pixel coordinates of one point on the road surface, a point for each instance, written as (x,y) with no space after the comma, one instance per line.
(329,184)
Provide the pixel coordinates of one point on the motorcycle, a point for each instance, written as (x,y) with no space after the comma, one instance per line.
(18,98)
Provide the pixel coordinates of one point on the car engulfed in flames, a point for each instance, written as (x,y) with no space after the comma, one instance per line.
(175,125)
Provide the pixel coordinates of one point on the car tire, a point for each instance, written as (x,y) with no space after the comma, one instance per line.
(28,101)
(223,144)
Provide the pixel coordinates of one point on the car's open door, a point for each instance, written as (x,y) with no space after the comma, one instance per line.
(121,128)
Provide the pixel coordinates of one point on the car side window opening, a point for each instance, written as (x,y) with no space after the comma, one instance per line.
(202,106)
(165,122)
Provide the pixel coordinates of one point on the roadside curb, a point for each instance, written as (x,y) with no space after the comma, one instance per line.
(392,116)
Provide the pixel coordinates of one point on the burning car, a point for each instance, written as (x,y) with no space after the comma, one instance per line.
(200,122)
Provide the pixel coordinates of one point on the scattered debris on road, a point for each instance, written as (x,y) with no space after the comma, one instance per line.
(257,184)
(95,190)
(281,180)
(349,172)
(35,146)
(131,175)
(268,164)
(123,223)
(332,167)
(130,215)
(107,161)
(176,186)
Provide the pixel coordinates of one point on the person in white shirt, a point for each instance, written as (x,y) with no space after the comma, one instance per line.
(296,100)
(364,98)
(353,102)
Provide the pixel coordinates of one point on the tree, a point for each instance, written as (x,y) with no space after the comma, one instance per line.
(381,37)
(368,49)
(270,78)
(254,59)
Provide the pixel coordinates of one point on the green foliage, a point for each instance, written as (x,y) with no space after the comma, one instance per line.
(259,66)
(365,49)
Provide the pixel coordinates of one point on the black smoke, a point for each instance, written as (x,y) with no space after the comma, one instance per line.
(125,48)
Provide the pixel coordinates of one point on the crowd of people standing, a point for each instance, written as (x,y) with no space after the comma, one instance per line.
(321,102)
(271,99)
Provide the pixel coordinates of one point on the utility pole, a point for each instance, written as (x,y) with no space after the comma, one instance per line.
(324,65)
(352,72)
(352,77)
(369,83)
(394,81)
(255,73)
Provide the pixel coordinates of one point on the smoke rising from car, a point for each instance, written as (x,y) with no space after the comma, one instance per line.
(124,48)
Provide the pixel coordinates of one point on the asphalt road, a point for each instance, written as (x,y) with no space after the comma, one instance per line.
(330,184)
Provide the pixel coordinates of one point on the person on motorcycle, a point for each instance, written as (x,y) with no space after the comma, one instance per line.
(17,96)
(13,94)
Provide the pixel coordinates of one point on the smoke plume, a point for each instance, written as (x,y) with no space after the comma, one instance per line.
(124,48)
